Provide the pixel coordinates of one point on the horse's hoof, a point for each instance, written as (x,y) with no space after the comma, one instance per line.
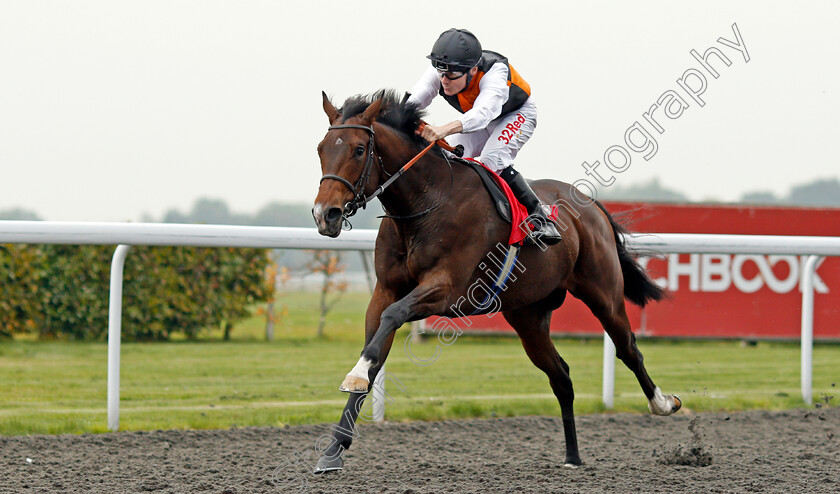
(677,403)
(354,384)
(329,464)
(570,465)
(663,404)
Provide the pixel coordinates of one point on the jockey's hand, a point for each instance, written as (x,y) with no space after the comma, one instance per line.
(432,133)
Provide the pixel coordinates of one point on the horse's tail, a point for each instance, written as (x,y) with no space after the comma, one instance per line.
(638,287)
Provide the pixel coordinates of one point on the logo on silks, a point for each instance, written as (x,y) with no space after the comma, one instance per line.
(748,273)
(512,129)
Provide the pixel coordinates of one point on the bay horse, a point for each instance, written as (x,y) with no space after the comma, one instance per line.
(435,241)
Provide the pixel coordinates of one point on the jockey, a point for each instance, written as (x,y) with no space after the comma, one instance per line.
(498,118)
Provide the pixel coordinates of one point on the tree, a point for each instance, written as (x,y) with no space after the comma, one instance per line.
(175,216)
(329,264)
(822,192)
(19,214)
(211,212)
(647,191)
(279,214)
(277,276)
(760,197)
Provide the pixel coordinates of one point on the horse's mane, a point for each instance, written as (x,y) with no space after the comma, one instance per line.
(395,112)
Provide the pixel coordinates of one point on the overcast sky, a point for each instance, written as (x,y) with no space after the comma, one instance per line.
(111,109)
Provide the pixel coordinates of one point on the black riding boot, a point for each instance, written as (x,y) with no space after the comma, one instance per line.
(546,230)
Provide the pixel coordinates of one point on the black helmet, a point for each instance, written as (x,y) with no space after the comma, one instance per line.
(456,50)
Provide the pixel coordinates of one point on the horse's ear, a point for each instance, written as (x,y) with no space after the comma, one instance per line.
(329,109)
(372,112)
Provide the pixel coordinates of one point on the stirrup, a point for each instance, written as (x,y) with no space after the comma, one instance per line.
(544,232)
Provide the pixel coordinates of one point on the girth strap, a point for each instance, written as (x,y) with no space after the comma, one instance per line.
(501,278)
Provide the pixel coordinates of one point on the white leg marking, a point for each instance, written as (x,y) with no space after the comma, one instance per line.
(661,404)
(361,369)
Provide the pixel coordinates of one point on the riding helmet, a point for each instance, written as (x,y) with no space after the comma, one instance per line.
(455,50)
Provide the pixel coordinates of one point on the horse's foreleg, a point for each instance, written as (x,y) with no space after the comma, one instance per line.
(345,431)
(382,319)
(359,378)
(342,436)
(424,300)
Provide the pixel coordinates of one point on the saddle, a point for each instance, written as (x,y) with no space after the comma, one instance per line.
(506,204)
(497,195)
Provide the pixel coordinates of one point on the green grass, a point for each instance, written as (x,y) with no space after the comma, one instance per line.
(60,387)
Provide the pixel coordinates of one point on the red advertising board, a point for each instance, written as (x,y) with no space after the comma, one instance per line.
(719,296)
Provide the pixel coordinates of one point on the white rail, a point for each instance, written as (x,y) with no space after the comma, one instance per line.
(701,243)
(126,234)
(46,232)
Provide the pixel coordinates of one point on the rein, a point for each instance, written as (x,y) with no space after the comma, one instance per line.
(360,200)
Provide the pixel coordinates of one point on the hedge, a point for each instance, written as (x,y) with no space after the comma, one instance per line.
(61,291)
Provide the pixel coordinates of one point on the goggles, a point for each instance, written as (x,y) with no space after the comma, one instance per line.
(450,71)
(451,75)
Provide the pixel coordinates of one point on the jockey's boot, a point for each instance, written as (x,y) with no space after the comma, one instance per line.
(546,230)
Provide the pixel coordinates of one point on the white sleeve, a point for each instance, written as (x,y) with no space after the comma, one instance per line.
(493,93)
(425,90)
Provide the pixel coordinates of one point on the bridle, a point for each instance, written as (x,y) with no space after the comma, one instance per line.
(360,200)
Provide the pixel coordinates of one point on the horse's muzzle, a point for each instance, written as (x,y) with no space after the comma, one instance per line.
(329,221)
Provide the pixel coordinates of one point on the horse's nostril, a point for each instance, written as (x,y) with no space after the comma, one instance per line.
(333,214)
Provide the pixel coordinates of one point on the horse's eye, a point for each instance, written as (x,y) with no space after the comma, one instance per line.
(360,151)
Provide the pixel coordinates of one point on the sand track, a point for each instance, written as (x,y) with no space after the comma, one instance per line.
(755,451)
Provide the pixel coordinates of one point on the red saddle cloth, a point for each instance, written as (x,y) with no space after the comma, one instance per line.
(517,211)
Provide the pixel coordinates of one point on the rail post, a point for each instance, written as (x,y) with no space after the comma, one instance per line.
(807,340)
(608,386)
(114,335)
(377,395)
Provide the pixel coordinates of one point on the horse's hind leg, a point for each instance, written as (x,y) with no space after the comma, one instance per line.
(608,306)
(532,325)
(605,298)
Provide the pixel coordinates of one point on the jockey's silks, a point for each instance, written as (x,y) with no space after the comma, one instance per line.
(519,89)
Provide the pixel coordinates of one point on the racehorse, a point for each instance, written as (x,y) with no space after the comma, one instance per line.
(436,240)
